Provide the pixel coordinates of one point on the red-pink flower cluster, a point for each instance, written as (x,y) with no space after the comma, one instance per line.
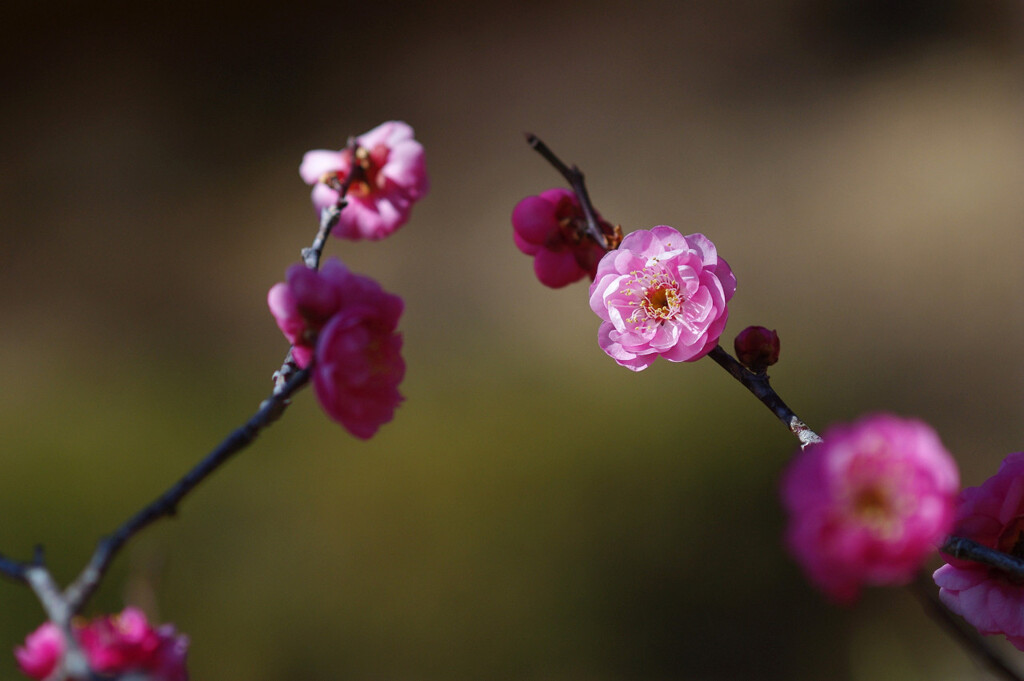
(550,227)
(393,176)
(992,515)
(344,325)
(114,645)
(661,294)
(869,504)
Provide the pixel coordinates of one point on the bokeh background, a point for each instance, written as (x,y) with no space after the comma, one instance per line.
(534,511)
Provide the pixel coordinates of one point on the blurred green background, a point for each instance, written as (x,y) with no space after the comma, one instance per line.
(534,511)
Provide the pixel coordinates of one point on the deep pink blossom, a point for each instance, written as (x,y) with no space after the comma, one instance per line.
(394,176)
(359,366)
(869,504)
(550,227)
(114,644)
(304,303)
(993,515)
(42,651)
(345,324)
(661,294)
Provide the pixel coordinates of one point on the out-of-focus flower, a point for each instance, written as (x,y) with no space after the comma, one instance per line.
(869,504)
(346,325)
(115,644)
(393,176)
(661,294)
(551,227)
(993,515)
(757,348)
(42,651)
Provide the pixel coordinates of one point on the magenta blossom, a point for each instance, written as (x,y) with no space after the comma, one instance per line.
(344,325)
(992,515)
(551,227)
(393,176)
(869,504)
(661,294)
(42,651)
(113,645)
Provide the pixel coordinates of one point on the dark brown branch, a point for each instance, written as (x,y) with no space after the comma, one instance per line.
(166,504)
(574,176)
(12,569)
(967,549)
(759,386)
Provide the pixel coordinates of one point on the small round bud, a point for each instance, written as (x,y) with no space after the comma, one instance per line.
(757,348)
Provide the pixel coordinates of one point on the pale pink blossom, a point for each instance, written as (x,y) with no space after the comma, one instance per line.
(115,644)
(344,325)
(394,176)
(993,515)
(550,227)
(661,294)
(869,504)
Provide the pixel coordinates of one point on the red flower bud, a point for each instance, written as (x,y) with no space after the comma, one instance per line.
(757,348)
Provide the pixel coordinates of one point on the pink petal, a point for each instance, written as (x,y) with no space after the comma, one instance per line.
(319,161)
(556,268)
(534,220)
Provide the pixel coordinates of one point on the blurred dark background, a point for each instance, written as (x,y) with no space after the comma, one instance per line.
(534,511)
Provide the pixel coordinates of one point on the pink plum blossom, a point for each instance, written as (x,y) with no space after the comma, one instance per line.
(393,177)
(304,303)
(869,504)
(359,366)
(661,294)
(992,515)
(112,645)
(344,325)
(550,227)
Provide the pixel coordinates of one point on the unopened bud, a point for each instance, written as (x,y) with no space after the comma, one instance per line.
(757,348)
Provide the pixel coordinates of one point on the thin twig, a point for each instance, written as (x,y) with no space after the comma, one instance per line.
(329,215)
(12,569)
(967,635)
(574,176)
(167,503)
(759,386)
